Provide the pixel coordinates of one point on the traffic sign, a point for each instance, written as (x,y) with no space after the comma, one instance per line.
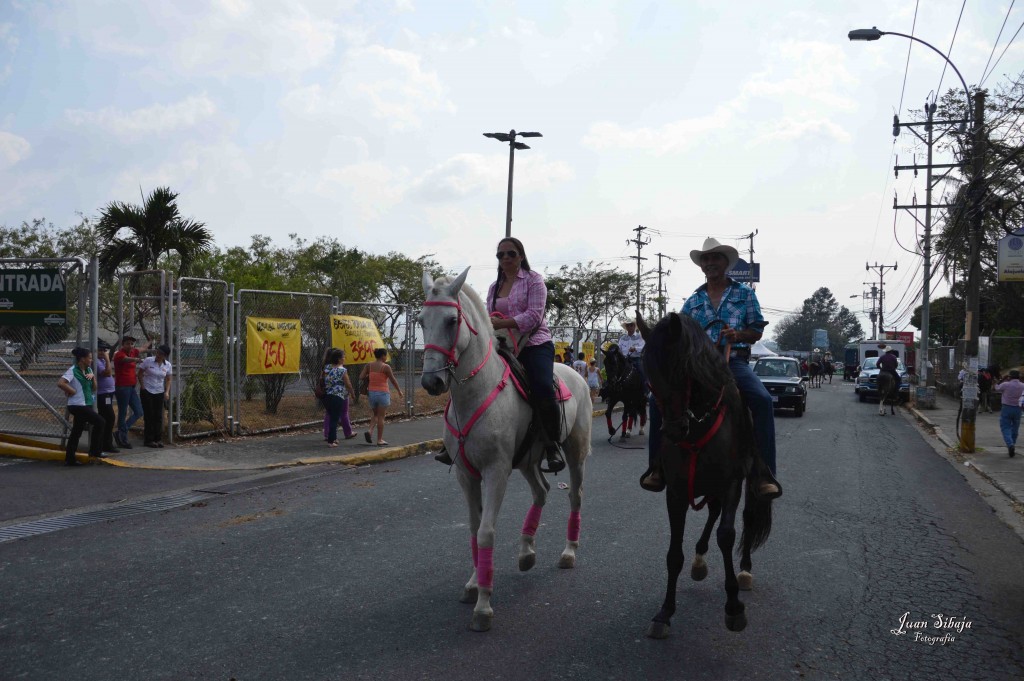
(32,297)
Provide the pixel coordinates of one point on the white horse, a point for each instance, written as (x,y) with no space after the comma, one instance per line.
(486,422)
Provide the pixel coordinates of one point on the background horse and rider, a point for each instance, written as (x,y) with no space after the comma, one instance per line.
(490,429)
(623,384)
(707,450)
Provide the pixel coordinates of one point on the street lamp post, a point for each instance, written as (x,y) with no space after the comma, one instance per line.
(868,34)
(510,137)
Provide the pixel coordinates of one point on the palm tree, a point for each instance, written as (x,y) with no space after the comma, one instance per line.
(156,230)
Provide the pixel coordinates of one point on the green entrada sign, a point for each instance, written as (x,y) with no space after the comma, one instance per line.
(32,298)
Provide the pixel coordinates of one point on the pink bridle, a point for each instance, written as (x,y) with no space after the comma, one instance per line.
(453,361)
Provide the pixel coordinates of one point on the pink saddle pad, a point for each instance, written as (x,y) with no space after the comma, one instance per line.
(563,392)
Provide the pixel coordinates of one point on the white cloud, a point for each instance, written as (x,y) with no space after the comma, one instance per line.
(394,83)
(804,129)
(371,186)
(669,138)
(8,44)
(220,171)
(465,175)
(12,149)
(156,119)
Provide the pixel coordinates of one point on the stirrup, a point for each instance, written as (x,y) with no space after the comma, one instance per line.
(554,459)
(767,488)
(443,456)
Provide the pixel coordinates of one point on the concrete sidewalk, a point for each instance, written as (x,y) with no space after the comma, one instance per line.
(990,458)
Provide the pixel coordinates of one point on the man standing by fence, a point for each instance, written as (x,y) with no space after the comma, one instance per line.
(125,361)
(1010,390)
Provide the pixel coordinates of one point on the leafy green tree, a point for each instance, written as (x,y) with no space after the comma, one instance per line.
(945,319)
(155,231)
(590,295)
(820,311)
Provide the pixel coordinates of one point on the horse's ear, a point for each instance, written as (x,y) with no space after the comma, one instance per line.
(645,330)
(428,282)
(675,326)
(456,286)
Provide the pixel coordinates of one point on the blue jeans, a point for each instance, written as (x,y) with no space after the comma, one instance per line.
(539,362)
(127,397)
(334,405)
(1009,424)
(758,400)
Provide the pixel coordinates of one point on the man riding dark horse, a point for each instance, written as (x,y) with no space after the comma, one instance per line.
(890,363)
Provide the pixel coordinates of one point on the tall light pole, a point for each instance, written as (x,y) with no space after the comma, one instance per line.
(510,137)
(868,34)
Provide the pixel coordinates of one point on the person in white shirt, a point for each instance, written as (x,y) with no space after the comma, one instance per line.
(631,345)
(79,384)
(580,365)
(155,379)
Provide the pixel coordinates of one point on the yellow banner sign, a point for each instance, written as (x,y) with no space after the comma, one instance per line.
(588,350)
(272,346)
(561,350)
(357,336)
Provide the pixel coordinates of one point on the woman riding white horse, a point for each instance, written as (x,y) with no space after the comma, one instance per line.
(488,428)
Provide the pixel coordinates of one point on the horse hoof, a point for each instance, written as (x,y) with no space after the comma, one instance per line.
(736,622)
(567,561)
(527,561)
(746,581)
(657,630)
(469,596)
(641,433)
(699,571)
(481,621)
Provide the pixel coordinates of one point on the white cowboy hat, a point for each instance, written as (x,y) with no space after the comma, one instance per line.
(627,320)
(712,246)
(816,350)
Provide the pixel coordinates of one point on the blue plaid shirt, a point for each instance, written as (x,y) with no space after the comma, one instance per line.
(739,309)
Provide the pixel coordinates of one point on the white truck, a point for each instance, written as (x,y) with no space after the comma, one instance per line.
(870,348)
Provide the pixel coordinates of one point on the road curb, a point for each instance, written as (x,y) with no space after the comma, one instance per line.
(378,456)
(939,433)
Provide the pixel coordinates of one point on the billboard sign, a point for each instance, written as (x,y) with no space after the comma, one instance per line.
(1010,257)
(33,297)
(741,271)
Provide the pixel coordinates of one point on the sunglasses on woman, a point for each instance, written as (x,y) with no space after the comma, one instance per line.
(501,254)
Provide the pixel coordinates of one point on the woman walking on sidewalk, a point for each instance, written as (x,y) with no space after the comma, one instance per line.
(79,384)
(376,376)
(337,388)
(1010,390)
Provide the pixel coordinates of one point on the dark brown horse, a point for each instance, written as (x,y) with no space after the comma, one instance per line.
(624,384)
(707,450)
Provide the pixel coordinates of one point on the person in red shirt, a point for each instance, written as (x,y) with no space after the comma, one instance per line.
(125,361)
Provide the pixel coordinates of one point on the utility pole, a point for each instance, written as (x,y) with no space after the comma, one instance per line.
(873,315)
(881,292)
(640,242)
(661,294)
(929,141)
(977,193)
(750,277)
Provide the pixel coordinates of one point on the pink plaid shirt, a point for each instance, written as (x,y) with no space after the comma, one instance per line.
(526,303)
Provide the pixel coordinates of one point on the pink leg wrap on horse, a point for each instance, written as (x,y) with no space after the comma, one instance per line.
(629,423)
(472,545)
(532,520)
(485,568)
(574,526)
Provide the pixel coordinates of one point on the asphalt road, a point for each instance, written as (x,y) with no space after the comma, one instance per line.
(357,574)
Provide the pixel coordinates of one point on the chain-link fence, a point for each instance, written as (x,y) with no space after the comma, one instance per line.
(1004,353)
(280,401)
(201,379)
(36,342)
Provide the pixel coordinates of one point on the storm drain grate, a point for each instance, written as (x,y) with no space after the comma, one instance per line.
(44,525)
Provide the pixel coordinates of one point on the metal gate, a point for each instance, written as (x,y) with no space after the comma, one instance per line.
(201,377)
(399,332)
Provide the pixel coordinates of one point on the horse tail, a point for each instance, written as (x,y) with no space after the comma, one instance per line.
(757,520)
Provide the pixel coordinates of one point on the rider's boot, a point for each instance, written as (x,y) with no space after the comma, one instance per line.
(551,418)
(443,456)
(766,486)
(652,480)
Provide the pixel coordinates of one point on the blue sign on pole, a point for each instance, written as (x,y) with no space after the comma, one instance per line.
(741,271)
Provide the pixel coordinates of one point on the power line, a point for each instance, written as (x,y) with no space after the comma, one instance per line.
(906,69)
(985,76)
(995,44)
(949,52)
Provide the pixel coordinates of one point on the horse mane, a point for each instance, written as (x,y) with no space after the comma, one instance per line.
(695,357)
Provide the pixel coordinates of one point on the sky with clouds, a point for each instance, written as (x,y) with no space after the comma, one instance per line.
(362,121)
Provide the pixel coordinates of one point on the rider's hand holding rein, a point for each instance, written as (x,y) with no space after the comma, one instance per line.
(499,323)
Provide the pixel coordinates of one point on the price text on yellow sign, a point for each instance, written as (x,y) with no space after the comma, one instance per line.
(357,336)
(272,346)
